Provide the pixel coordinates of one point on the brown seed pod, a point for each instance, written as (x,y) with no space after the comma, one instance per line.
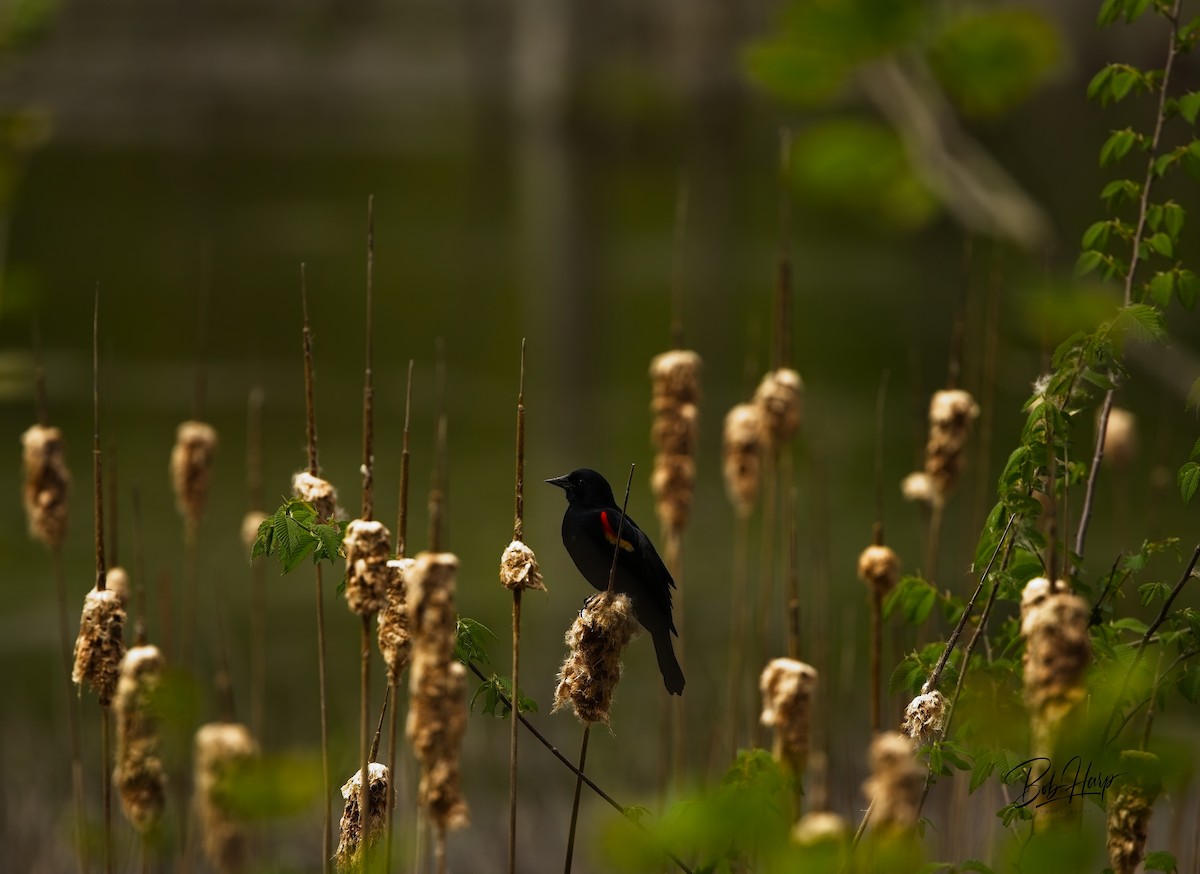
(895,785)
(675,390)
(368,549)
(925,716)
(951,414)
(191,467)
(519,568)
(1120,438)
(380,796)
(395,637)
(673,482)
(1057,654)
(780,396)
(431,588)
(224,751)
(879,568)
(47,484)
(1129,809)
(787,687)
(140,777)
(318,492)
(676,375)
(742,456)
(588,678)
(100,644)
(250,525)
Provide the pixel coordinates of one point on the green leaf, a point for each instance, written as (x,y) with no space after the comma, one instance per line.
(1162,286)
(1123,81)
(469,640)
(1161,243)
(329,537)
(1120,191)
(1096,236)
(1193,399)
(1110,11)
(1117,146)
(1101,84)
(1161,860)
(976,866)
(1140,321)
(1187,287)
(1188,684)
(1149,591)
(1173,217)
(1087,262)
(1189,479)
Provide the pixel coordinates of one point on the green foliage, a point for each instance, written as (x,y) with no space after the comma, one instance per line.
(470,641)
(914,597)
(1161,860)
(294,532)
(496,692)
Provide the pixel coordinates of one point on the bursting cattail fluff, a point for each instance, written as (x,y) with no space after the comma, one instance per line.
(140,777)
(951,414)
(47,484)
(395,636)
(100,644)
(787,687)
(675,388)
(895,785)
(879,568)
(224,752)
(191,467)
(519,568)
(368,549)
(117,580)
(1057,654)
(925,716)
(820,828)
(780,397)
(1129,809)
(318,492)
(742,455)
(588,677)
(353,838)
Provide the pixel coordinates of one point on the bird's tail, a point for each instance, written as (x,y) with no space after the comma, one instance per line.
(667,663)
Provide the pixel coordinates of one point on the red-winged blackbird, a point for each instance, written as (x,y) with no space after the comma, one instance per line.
(589,532)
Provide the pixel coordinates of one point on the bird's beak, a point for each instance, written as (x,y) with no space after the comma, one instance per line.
(560,481)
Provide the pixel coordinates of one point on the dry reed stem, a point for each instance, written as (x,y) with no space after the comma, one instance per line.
(519,568)
(675,389)
(368,550)
(589,675)
(47,484)
(191,467)
(351,845)
(318,492)
(100,644)
(896,783)
(787,686)
(1129,810)
(780,397)
(1057,654)
(951,414)
(223,753)
(395,635)
(140,776)
(741,453)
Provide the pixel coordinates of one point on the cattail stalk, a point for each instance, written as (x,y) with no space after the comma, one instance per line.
(360,833)
(787,687)
(951,414)
(879,568)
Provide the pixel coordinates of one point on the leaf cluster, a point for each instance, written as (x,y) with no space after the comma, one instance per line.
(295,532)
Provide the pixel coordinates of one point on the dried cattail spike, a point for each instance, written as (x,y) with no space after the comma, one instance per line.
(676,375)
(368,549)
(673,482)
(117,580)
(818,828)
(917,486)
(380,796)
(925,716)
(787,686)
(742,455)
(951,413)
(519,568)
(675,388)
(140,777)
(191,467)
(47,484)
(437,720)
(224,751)
(1120,437)
(431,586)
(1057,653)
(780,397)
(100,644)
(895,785)
(879,568)
(318,492)
(395,638)
(1035,593)
(588,677)
(1129,809)
(250,524)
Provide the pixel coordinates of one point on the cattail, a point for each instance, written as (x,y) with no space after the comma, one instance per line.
(318,492)
(588,677)
(742,454)
(519,568)
(191,467)
(787,687)
(251,522)
(140,776)
(917,486)
(925,716)
(895,785)
(675,378)
(117,580)
(879,568)
(1120,437)
(368,548)
(47,484)
(1057,653)
(431,586)
(395,636)
(381,796)
(780,397)
(1129,810)
(100,644)
(224,752)
(820,828)
(951,413)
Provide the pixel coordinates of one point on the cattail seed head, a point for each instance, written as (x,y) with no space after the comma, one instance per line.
(787,686)
(395,637)
(780,396)
(519,568)
(117,580)
(1057,654)
(951,414)
(380,796)
(675,378)
(820,827)
(47,484)
(1120,437)
(895,785)
(925,716)
(742,455)
(100,644)
(224,751)
(1129,809)
(879,568)
(588,677)
(318,492)
(676,375)
(917,486)
(431,588)
(368,549)
(250,525)
(191,467)
(140,777)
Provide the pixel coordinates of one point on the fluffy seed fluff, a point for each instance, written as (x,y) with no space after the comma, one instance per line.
(519,568)
(787,686)
(951,413)
(100,644)
(780,396)
(879,568)
(191,467)
(895,785)
(917,486)
(117,580)
(925,716)
(1120,437)
(675,389)
(1129,809)
(140,777)
(368,547)
(1057,654)
(224,751)
(395,637)
(588,677)
(820,827)
(380,796)
(742,456)
(318,492)
(47,484)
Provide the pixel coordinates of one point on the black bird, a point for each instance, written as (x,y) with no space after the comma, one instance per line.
(589,532)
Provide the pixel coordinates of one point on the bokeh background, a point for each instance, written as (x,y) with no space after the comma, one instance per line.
(527,159)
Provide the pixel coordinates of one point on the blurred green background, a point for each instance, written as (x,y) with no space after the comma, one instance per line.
(526,160)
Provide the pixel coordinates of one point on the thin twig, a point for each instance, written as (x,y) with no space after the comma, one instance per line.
(368,466)
(258,588)
(612,571)
(587,730)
